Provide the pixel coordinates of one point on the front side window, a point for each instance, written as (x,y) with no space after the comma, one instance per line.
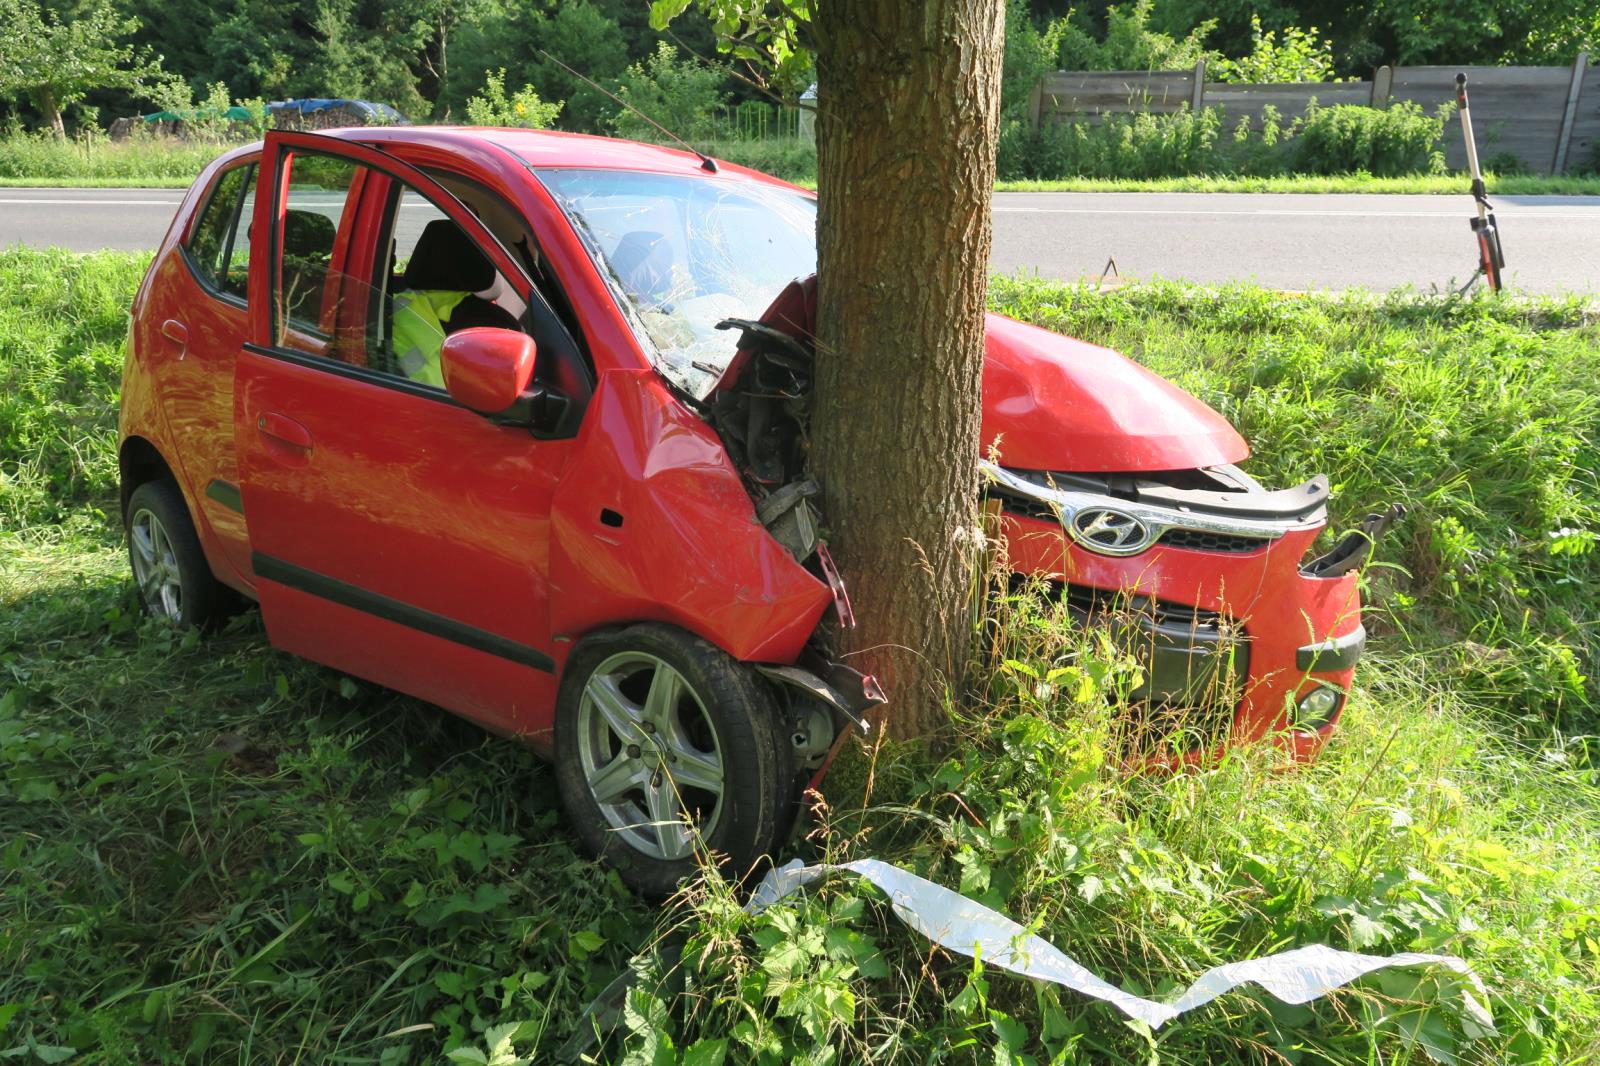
(683,253)
(219,246)
(382,291)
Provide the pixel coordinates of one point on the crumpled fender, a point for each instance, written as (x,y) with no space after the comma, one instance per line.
(689,549)
(1056,403)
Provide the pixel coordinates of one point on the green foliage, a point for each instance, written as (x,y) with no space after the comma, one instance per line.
(682,94)
(766,37)
(1386,141)
(514,36)
(1129,42)
(1031,52)
(213,852)
(42,159)
(522,109)
(56,62)
(1299,56)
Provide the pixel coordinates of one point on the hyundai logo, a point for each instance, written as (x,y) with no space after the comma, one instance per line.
(1110,532)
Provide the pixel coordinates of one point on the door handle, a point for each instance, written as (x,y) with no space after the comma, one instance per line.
(176,332)
(283,429)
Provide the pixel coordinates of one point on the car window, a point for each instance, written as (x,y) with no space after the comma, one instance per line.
(682,254)
(433,281)
(318,197)
(219,245)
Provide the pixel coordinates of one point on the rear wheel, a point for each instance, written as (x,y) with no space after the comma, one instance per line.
(174,580)
(668,748)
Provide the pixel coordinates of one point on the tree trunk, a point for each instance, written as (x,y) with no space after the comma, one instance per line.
(908,108)
(44,98)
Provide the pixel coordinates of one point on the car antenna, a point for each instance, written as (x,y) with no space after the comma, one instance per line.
(706,162)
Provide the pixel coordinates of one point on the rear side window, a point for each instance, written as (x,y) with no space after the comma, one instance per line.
(319,194)
(219,246)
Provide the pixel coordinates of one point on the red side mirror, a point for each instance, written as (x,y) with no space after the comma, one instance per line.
(486,368)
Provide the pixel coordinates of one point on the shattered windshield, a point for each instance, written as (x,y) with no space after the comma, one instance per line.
(683,253)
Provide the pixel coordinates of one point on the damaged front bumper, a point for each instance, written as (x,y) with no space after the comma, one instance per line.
(1205,579)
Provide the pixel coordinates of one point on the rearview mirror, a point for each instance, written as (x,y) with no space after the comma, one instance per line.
(486,368)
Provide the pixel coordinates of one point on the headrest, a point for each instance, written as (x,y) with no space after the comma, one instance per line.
(307,233)
(446,258)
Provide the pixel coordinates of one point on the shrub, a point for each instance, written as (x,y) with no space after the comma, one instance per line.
(523,109)
(684,95)
(1130,43)
(1384,141)
(1300,56)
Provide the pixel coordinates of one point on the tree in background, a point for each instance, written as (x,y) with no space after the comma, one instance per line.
(908,105)
(512,36)
(57,61)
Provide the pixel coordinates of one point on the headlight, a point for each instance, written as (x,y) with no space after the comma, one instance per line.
(1317,707)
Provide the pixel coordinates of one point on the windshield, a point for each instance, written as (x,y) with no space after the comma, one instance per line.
(683,253)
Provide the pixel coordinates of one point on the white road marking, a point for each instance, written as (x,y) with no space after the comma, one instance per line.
(1523,213)
(96,203)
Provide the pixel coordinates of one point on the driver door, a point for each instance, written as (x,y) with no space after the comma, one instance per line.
(394,534)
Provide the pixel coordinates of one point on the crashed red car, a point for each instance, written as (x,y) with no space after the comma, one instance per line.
(502,419)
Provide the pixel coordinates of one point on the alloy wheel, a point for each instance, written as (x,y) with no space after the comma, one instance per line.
(650,755)
(155,566)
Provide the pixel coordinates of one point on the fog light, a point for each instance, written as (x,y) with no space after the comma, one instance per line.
(1317,707)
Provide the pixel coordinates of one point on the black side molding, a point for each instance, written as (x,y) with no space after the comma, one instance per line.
(226,494)
(397,611)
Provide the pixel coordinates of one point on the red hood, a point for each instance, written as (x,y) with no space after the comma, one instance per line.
(1055,403)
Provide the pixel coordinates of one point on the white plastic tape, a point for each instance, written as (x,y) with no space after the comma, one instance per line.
(966,927)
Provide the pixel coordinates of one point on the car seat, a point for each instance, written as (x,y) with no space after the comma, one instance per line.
(642,262)
(445,259)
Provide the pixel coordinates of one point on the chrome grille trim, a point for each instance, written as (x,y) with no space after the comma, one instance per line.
(1156,522)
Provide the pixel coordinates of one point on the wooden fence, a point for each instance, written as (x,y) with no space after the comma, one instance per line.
(1547,117)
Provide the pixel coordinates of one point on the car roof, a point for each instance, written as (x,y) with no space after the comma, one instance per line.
(551,148)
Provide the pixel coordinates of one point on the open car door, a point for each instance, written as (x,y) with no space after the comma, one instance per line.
(394,534)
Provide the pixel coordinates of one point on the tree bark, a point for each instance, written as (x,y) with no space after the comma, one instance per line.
(45,99)
(908,109)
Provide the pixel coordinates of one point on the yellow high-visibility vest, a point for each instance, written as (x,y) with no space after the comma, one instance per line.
(419,319)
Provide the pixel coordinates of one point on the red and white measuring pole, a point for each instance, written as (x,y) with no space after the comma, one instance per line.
(1490,259)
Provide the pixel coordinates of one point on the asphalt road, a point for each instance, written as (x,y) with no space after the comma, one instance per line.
(1289,241)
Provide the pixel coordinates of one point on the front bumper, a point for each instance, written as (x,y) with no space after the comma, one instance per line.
(1232,640)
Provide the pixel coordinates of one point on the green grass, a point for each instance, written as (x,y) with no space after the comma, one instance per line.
(138,161)
(1417,184)
(33,161)
(213,852)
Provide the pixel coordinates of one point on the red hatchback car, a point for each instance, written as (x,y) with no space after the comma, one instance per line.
(504,420)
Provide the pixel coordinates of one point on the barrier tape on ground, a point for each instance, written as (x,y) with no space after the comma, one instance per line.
(967,927)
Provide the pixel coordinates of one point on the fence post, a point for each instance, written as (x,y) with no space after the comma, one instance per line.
(1035,102)
(1197,98)
(1570,115)
(1382,82)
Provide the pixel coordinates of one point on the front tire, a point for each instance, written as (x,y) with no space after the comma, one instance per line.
(668,748)
(174,580)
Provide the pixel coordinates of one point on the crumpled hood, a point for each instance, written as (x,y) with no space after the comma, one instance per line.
(1055,403)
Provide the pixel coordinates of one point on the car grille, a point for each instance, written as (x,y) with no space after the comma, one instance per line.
(1188,539)
(1202,541)
(1195,663)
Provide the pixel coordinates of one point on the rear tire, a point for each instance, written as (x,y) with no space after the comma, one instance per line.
(667,748)
(174,580)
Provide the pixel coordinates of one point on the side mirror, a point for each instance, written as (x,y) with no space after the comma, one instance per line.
(487,369)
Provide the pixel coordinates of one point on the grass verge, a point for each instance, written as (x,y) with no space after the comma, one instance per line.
(145,162)
(213,852)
